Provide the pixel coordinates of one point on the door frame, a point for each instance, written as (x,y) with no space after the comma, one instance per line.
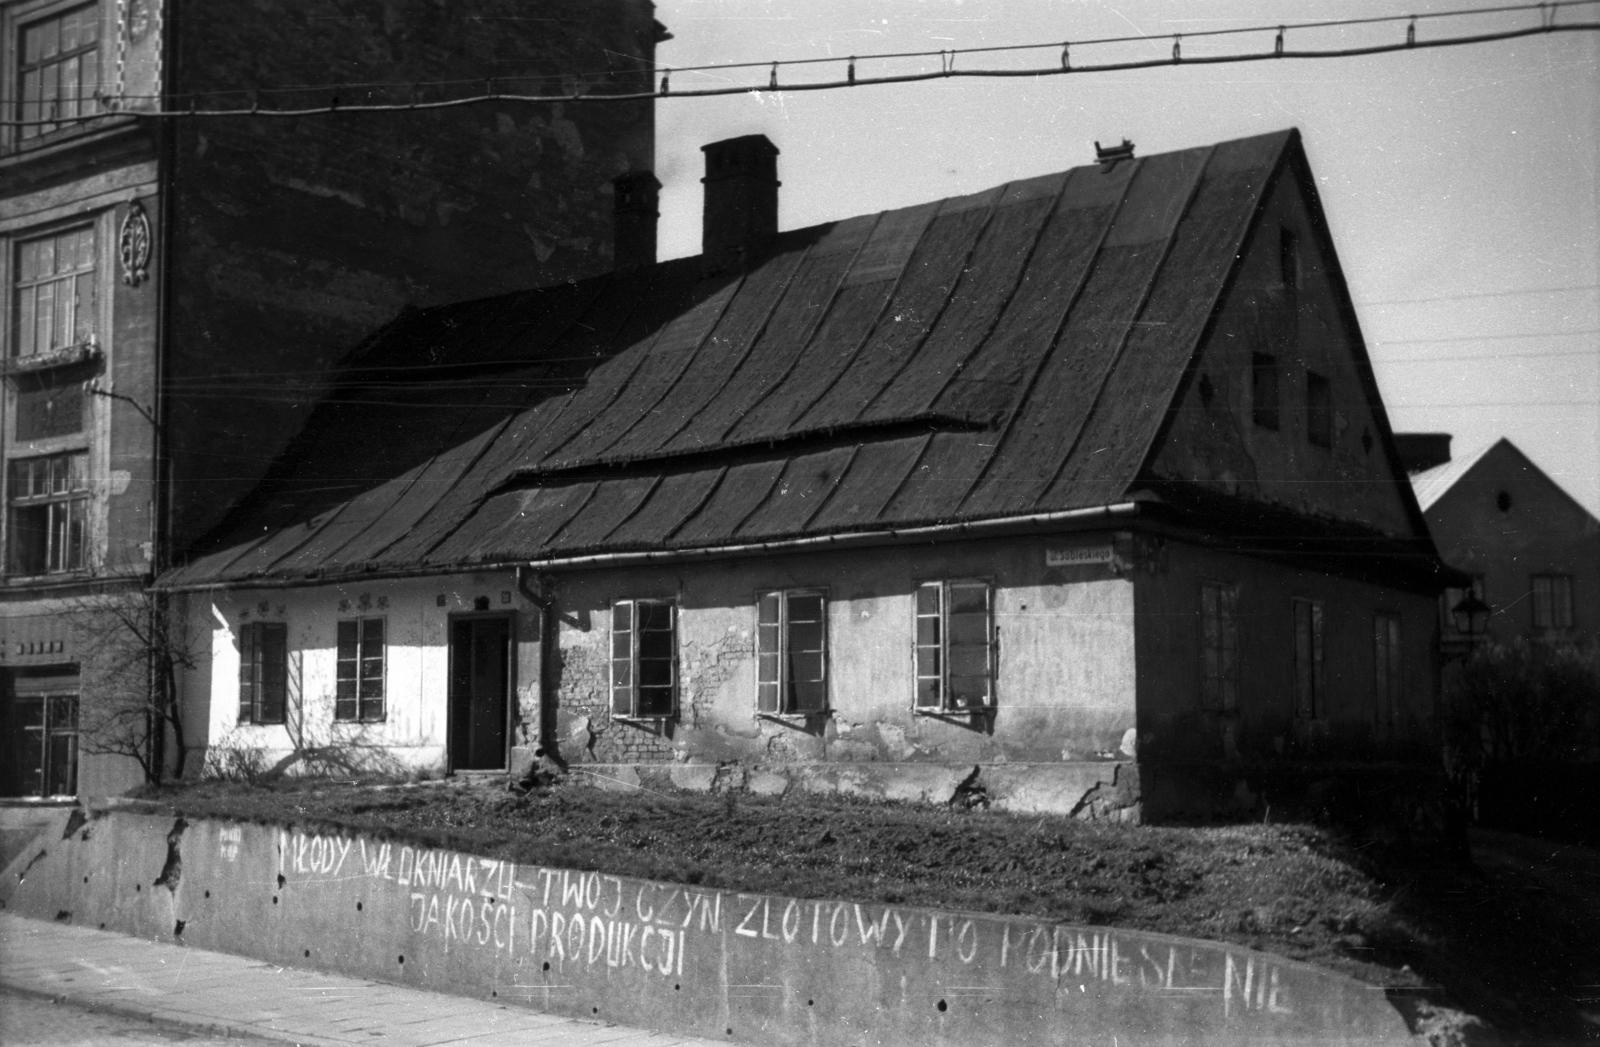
(510,618)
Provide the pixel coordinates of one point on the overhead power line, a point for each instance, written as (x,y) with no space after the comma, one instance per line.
(1547,14)
(1481,294)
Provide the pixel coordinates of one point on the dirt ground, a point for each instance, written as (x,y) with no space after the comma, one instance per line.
(1514,937)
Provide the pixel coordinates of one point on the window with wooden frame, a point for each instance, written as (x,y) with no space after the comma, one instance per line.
(58,70)
(1388,666)
(1309,685)
(48,521)
(263,672)
(54,292)
(954,647)
(358,688)
(644,658)
(1219,646)
(38,739)
(1552,601)
(791,652)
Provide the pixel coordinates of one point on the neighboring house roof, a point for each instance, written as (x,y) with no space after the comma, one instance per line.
(1433,484)
(960,361)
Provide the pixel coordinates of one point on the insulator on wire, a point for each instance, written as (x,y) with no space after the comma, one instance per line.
(1411,32)
(850,71)
(1066,56)
(772,80)
(666,82)
(1177,47)
(1277,47)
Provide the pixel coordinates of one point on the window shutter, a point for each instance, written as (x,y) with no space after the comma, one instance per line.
(272,682)
(371,688)
(1230,648)
(346,681)
(768,652)
(929,646)
(622,682)
(247,671)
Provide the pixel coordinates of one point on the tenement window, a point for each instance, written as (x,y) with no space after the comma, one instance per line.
(40,738)
(358,689)
(1389,666)
(1219,646)
(644,658)
(1264,390)
(1289,258)
(954,662)
(1552,601)
(263,672)
(1308,679)
(58,70)
(1319,410)
(48,523)
(54,293)
(791,648)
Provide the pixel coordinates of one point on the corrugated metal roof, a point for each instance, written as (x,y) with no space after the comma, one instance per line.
(1005,353)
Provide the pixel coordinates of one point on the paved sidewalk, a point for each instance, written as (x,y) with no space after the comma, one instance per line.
(232,995)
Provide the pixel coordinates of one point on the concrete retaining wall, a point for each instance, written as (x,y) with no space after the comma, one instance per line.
(751,967)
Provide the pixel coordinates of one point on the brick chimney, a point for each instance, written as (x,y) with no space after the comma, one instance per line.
(741,209)
(637,207)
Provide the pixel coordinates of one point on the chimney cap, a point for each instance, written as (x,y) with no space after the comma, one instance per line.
(1110,154)
(756,141)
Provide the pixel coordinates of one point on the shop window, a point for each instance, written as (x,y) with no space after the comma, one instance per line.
(263,672)
(358,687)
(1309,697)
(1319,410)
(791,652)
(54,296)
(1264,390)
(49,509)
(644,658)
(954,653)
(1389,666)
(58,70)
(1552,602)
(1219,646)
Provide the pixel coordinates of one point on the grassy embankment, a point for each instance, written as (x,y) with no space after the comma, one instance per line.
(1514,938)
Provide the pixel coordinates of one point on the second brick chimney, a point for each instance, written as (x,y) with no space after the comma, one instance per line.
(741,208)
(637,209)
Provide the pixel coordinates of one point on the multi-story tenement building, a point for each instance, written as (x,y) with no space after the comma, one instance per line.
(178,287)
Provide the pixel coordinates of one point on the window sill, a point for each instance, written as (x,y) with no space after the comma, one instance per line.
(795,719)
(72,356)
(954,714)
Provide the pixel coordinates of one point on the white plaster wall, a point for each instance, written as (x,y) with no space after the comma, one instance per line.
(413,734)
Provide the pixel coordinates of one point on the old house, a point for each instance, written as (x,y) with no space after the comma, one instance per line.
(178,288)
(1078,490)
(1532,551)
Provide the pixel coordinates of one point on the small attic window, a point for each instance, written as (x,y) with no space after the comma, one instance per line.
(1319,410)
(1289,258)
(1207,390)
(1264,390)
(1503,501)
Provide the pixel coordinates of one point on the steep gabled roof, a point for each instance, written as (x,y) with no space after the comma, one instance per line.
(963,360)
(1432,484)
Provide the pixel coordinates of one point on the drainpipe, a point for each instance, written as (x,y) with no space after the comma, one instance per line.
(531,587)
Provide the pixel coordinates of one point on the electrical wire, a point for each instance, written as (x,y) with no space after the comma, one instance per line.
(1546,12)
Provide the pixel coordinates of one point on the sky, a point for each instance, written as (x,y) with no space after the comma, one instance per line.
(1461,184)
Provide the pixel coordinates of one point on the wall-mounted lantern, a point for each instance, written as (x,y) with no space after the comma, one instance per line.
(1471,616)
